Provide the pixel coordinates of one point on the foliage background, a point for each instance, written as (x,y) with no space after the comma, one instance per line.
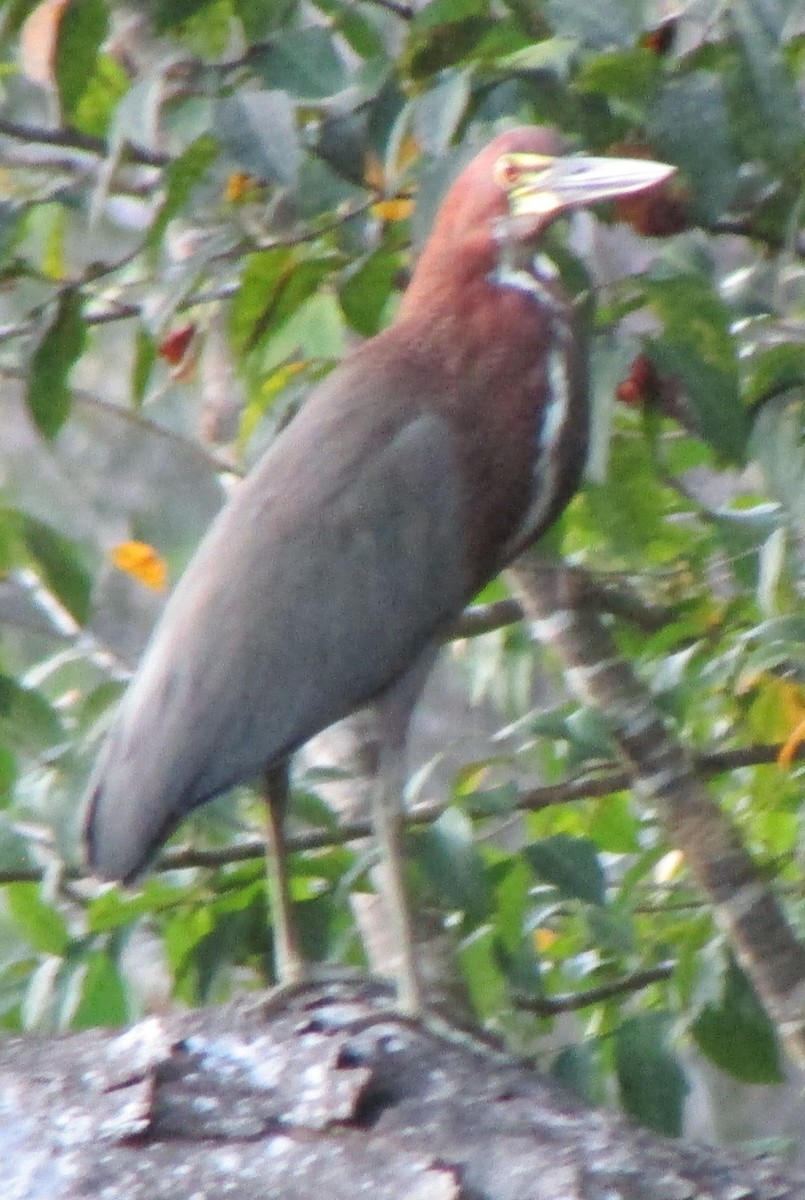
(203,206)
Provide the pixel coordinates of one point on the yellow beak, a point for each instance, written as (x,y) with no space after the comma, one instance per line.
(538,184)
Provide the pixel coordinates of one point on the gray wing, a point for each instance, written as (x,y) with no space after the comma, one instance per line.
(336,562)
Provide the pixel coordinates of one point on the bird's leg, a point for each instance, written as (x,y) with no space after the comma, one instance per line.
(387,819)
(388,811)
(289,963)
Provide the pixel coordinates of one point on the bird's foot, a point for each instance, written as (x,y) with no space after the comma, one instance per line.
(326,982)
(338,997)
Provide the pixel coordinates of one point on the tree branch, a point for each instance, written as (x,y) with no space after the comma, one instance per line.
(551,1006)
(556,598)
(73,139)
(325,1090)
(589,786)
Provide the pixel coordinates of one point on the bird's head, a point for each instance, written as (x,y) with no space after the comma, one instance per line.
(541,184)
(515,187)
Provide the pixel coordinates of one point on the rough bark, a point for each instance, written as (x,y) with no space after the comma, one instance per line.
(563,609)
(324,1092)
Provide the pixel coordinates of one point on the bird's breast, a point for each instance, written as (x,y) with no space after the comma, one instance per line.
(506,372)
(558,408)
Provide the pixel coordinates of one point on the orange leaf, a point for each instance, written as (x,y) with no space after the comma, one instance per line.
(791,745)
(374,170)
(142,561)
(544,939)
(240,187)
(374,174)
(792,700)
(398,209)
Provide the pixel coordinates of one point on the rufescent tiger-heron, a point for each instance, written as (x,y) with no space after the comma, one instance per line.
(413,473)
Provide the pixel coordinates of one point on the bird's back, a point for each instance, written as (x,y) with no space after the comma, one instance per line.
(332,568)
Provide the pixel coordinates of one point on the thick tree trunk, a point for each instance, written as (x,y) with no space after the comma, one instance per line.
(324,1092)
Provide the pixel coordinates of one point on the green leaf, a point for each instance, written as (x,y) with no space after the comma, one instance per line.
(359,32)
(310,809)
(485,981)
(103,996)
(448,854)
(589,732)
(439,111)
(571,864)
(26,717)
(652,1083)
(447,12)
(167,14)
(258,131)
(104,91)
(365,293)
(48,395)
(274,285)
(773,370)
(736,1034)
(60,565)
(96,702)
(627,514)
(713,393)
(742,535)
(322,925)
(521,965)
(698,348)
(784,634)
(777,446)
(575,1068)
(181,175)
(599,26)
(15,847)
(11,842)
(145,353)
(614,825)
(706,160)
(491,801)
(512,902)
(314,333)
(629,75)
(612,930)
(772,99)
(437,48)
(82,29)
(41,923)
(694,314)
(115,908)
(12,553)
(302,62)
(551,54)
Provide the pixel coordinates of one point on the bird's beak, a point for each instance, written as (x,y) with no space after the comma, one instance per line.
(539,185)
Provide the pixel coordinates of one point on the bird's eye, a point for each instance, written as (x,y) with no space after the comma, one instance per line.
(507,172)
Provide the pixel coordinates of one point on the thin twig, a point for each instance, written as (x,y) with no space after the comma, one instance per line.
(551,1006)
(590,786)
(73,139)
(405,12)
(124,311)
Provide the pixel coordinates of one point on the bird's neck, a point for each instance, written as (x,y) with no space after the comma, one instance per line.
(537,276)
(448,267)
(497,348)
(458,279)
